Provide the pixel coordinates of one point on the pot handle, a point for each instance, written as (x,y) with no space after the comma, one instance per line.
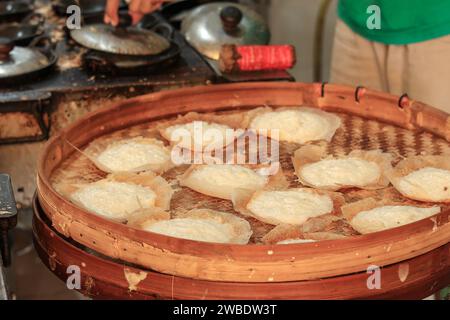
(125,21)
(231,17)
(6,46)
(164,29)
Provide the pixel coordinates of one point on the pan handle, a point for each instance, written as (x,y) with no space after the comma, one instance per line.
(44,44)
(98,63)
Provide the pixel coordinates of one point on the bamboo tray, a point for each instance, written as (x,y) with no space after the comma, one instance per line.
(104,278)
(371,120)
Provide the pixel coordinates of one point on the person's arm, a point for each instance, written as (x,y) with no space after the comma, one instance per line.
(136,8)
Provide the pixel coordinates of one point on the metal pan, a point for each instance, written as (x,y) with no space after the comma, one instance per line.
(123,39)
(14,10)
(43,45)
(22,33)
(119,64)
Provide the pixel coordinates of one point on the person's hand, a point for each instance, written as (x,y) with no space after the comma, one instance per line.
(136,8)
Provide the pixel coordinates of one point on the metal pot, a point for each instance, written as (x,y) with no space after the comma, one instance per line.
(210,26)
(22,33)
(24,63)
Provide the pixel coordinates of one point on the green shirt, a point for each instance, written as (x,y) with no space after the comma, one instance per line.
(402,21)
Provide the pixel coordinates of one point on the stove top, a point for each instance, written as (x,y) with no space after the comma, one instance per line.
(70,76)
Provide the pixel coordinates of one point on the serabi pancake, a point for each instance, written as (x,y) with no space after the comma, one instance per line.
(370,215)
(199,135)
(341,172)
(203,225)
(360,169)
(120,197)
(130,155)
(221,180)
(299,125)
(423,178)
(431,184)
(290,206)
(114,200)
(388,217)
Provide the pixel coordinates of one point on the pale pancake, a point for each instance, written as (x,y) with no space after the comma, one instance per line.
(336,173)
(198,135)
(134,155)
(431,184)
(221,181)
(114,200)
(388,217)
(293,206)
(203,225)
(299,125)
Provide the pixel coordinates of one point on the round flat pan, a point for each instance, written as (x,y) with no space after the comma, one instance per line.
(14,10)
(116,64)
(26,77)
(105,278)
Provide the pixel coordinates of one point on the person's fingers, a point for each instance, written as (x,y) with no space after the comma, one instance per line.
(148,6)
(135,6)
(134,10)
(156,5)
(136,17)
(111,12)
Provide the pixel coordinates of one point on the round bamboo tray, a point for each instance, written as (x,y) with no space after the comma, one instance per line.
(371,120)
(104,278)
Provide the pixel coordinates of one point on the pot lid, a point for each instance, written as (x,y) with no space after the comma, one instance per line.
(210,26)
(120,40)
(16,61)
(14,7)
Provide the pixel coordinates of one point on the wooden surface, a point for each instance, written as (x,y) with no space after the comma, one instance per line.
(260,263)
(103,278)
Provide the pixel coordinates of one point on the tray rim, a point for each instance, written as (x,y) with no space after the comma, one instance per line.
(47,240)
